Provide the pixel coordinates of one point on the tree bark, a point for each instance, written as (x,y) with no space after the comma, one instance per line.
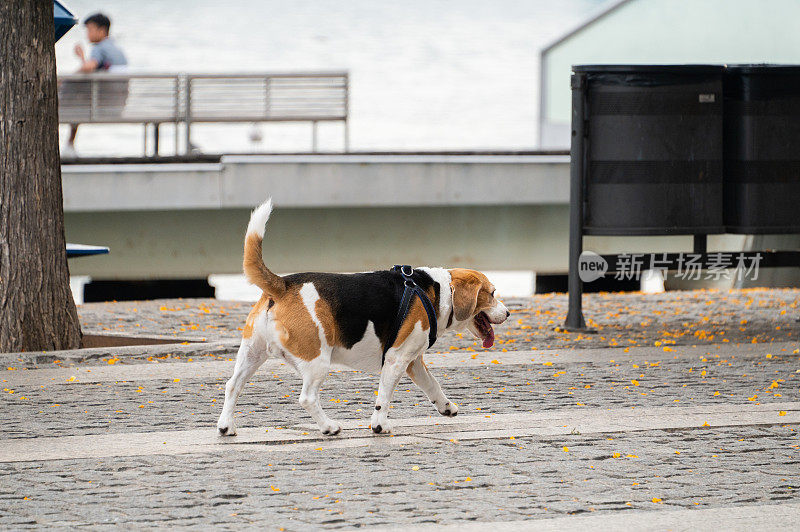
(37,311)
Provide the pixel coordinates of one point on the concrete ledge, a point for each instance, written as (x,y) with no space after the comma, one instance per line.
(356,433)
(223,368)
(127,353)
(320,181)
(738,518)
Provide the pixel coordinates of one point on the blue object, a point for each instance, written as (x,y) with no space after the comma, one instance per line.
(62,19)
(82,250)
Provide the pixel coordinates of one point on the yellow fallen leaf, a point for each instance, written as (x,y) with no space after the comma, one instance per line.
(176,380)
(635,382)
(415,468)
(782,413)
(566,449)
(656,500)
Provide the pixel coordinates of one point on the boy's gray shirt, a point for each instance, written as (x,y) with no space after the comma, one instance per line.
(108,55)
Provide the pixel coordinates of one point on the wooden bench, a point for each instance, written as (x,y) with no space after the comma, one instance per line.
(187,99)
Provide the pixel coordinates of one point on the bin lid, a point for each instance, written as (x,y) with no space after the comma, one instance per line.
(764,68)
(62,19)
(655,69)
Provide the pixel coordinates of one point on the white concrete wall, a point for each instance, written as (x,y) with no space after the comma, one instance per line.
(668,31)
(333,213)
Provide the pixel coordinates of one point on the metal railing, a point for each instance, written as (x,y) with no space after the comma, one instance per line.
(155,99)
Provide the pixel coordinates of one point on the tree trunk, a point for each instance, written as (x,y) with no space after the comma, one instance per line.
(37,311)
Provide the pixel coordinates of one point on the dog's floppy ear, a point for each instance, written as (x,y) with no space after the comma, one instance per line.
(465,296)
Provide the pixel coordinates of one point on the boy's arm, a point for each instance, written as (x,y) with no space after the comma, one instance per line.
(86,66)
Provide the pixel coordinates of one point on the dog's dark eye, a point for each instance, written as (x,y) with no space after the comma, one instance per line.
(492,293)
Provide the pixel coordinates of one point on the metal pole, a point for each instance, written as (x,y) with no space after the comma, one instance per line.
(575,321)
(157,125)
(144,139)
(346,136)
(314,136)
(700,244)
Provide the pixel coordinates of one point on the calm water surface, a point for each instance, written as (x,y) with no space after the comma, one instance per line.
(426,74)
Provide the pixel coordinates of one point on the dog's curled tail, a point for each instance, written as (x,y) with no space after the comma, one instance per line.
(254,268)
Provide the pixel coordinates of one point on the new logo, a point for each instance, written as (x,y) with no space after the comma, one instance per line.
(591,266)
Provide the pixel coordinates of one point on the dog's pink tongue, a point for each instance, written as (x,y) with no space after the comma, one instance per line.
(489,340)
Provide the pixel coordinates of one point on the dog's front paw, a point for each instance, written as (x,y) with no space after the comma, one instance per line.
(449,409)
(380,423)
(226,427)
(330,428)
(382,428)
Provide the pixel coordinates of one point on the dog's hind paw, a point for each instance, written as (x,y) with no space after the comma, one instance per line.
(226,429)
(450,409)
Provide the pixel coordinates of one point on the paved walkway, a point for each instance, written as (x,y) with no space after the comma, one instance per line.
(581,434)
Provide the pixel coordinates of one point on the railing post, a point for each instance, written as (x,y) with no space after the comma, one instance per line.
(177,111)
(188,113)
(346,112)
(575,321)
(266,97)
(93,90)
(314,136)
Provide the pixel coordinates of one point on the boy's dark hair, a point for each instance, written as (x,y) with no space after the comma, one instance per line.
(100,20)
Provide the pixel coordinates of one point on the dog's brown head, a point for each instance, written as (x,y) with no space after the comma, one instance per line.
(474,303)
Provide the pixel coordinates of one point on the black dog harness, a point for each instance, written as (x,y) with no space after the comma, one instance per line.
(409,290)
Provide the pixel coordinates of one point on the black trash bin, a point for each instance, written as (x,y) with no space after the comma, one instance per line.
(762,149)
(653,149)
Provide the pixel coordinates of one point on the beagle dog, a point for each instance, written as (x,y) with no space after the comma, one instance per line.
(315,320)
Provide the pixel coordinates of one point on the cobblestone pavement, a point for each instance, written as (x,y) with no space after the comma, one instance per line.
(622,320)
(72,408)
(397,482)
(445,482)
